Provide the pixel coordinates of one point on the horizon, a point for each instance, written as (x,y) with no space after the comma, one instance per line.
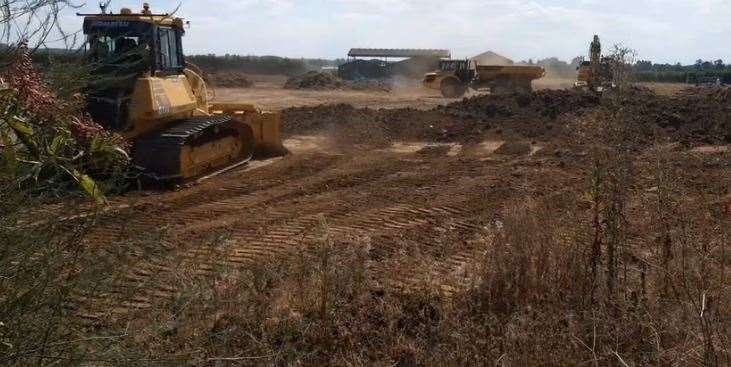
(521,30)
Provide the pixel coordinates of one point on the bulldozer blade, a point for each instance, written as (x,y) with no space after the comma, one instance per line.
(266,127)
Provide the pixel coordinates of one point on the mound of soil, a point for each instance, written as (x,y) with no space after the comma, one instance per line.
(698,117)
(467,120)
(314,80)
(229,80)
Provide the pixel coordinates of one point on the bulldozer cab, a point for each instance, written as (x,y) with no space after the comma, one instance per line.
(121,49)
(145,44)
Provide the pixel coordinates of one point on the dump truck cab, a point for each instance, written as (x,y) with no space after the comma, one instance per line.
(462,69)
(452,78)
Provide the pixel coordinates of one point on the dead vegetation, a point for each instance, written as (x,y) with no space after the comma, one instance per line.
(50,145)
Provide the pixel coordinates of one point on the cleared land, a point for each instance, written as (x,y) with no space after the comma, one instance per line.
(267,93)
(530,224)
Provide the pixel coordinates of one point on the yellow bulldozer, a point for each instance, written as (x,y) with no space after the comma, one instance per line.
(143,88)
(455,77)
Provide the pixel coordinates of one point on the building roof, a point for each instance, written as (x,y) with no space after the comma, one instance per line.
(393,52)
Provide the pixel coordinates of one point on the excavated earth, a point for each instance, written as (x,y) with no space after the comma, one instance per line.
(418,188)
(314,80)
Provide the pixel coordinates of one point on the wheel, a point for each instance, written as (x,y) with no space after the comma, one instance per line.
(453,88)
(524,88)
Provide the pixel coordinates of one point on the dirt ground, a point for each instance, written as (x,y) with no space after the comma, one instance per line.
(269,94)
(410,182)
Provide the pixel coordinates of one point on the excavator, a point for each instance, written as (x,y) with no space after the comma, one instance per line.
(595,75)
(143,88)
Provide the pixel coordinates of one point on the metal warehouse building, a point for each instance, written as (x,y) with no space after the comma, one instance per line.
(412,62)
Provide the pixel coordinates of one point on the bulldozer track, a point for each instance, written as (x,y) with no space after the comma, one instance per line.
(160,154)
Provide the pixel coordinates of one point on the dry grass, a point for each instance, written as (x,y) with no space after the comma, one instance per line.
(660,297)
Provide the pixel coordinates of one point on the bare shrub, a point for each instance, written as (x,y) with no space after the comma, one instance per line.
(35,22)
(41,266)
(621,61)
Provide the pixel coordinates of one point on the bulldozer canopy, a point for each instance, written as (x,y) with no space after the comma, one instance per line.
(117,28)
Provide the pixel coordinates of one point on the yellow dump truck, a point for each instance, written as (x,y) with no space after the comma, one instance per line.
(455,77)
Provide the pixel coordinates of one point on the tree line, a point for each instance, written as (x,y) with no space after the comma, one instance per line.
(647,71)
(644,70)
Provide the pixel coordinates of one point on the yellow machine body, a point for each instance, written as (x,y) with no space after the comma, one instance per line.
(165,106)
(596,74)
(455,77)
(158,101)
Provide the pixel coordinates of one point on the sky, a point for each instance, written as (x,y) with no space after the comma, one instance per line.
(659,30)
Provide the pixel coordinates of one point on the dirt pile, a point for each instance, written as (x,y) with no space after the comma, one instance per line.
(230,80)
(699,117)
(548,104)
(467,120)
(314,80)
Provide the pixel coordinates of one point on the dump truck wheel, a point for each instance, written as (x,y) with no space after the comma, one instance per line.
(524,87)
(502,86)
(452,88)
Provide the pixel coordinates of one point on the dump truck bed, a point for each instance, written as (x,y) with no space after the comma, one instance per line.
(486,73)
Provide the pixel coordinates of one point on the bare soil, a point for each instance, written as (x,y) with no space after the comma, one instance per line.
(269,93)
(403,178)
(419,186)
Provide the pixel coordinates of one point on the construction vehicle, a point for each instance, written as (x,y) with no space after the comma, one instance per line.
(596,74)
(143,89)
(455,77)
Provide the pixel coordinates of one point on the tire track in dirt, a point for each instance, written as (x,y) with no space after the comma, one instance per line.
(196,219)
(403,203)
